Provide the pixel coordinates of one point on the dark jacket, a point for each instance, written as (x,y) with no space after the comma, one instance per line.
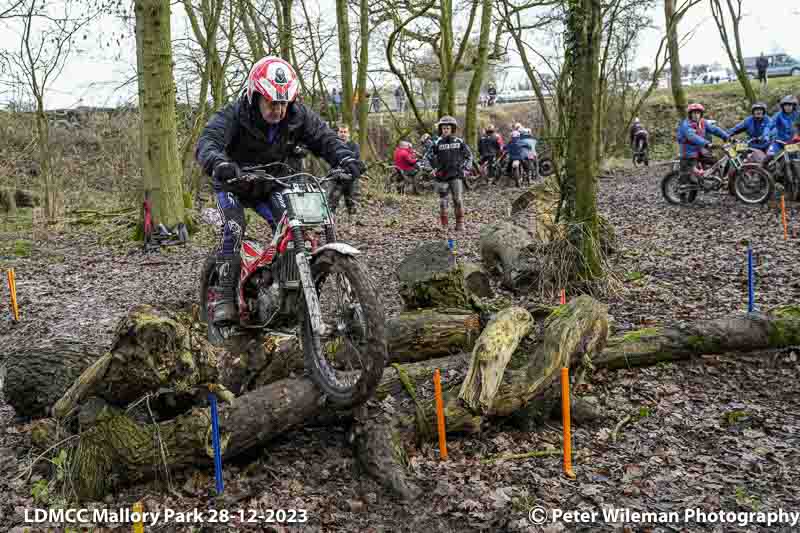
(353,147)
(762,63)
(450,156)
(238,133)
(489,145)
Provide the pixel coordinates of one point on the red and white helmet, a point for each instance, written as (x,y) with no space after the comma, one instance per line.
(274,79)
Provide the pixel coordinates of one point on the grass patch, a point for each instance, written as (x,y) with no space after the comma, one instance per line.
(23,248)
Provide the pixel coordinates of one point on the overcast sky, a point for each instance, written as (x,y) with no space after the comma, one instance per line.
(94,77)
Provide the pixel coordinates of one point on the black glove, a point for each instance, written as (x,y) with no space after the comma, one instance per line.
(353,167)
(226,171)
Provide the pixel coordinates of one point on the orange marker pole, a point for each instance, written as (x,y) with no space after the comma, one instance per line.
(437,389)
(138,525)
(563,296)
(783,216)
(12,289)
(565,417)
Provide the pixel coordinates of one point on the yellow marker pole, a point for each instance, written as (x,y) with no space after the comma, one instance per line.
(12,288)
(783,216)
(565,417)
(138,526)
(437,389)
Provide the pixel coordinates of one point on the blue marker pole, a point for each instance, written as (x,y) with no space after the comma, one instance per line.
(212,398)
(750,288)
(451,245)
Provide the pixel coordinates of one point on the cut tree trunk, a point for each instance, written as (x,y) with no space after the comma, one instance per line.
(38,375)
(428,280)
(756,331)
(500,247)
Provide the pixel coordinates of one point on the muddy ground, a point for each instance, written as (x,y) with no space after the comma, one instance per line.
(721,433)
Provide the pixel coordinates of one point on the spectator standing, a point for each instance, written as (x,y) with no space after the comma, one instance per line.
(761,65)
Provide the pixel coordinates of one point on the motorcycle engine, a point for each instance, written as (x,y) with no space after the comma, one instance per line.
(269,299)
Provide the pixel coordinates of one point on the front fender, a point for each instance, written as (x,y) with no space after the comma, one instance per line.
(339,247)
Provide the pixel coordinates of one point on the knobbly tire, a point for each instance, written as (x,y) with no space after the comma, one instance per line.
(546,167)
(747,190)
(207,275)
(669,190)
(343,389)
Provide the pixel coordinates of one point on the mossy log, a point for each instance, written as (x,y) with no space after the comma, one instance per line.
(572,332)
(38,374)
(428,280)
(153,350)
(778,328)
(411,336)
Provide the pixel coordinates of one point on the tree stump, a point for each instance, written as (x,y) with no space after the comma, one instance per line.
(38,375)
(428,280)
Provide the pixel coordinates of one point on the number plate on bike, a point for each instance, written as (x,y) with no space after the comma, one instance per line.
(792,148)
(309,207)
(741,147)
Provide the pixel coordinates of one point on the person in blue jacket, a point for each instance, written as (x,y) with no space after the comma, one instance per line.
(517,150)
(756,126)
(781,126)
(693,143)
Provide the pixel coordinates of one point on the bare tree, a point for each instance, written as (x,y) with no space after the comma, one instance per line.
(45,44)
(735,52)
(673,13)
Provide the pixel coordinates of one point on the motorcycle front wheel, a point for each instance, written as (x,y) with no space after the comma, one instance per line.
(753,185)
(346,358)
(669,190)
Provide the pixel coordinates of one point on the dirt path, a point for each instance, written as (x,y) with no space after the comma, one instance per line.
(721,434)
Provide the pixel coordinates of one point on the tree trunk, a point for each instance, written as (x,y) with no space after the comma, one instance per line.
(285,28)
(471,121)
(446,87)
(158,113)
(345,61)
(734,55)
(585,28)
(678,94)
(39,375)
(363,65)
(53,193)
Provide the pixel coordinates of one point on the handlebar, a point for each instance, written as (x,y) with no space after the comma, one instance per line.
(258,173)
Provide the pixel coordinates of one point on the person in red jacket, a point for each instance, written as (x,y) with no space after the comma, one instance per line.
(405,162)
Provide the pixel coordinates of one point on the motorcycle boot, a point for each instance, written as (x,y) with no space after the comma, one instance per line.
(459,219)
(227,268)
(443,217)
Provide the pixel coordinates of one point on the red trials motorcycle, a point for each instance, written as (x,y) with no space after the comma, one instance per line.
(297,283)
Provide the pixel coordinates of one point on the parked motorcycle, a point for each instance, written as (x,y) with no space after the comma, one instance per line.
(751,184)
(306,282)
(785,168)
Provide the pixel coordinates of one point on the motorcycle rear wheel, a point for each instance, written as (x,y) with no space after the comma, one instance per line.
(365,320)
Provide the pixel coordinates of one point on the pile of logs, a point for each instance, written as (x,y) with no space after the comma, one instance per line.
(139,406)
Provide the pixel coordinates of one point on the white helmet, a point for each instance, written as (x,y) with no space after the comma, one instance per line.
(525,131)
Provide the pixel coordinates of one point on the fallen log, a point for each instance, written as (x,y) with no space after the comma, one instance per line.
(778,328)
(411,336)
(38,375)
(428,279)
